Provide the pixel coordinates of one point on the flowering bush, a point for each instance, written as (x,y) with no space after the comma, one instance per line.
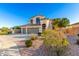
(55,42)
(33,37)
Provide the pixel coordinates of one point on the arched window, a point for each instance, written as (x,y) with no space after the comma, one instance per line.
(31,21)
(38,21)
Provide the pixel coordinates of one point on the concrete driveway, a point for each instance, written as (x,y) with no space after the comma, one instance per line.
(9,41)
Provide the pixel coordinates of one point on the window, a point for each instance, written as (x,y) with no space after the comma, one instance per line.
(31,21)
(37,21)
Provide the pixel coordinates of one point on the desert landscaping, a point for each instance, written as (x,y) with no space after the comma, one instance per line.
(12,45)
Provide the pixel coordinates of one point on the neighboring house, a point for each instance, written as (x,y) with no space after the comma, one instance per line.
(37,25)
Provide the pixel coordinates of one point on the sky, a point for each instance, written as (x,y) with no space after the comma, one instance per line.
(14,14)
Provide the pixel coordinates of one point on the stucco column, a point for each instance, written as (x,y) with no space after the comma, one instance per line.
(26,30)
(40,29)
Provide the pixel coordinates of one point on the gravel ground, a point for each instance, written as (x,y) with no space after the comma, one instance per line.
(13,45)
(35,50)
(38,49)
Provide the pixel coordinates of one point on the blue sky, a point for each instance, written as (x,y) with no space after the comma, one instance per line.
(20,14)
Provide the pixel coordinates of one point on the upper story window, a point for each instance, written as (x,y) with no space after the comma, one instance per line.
(37,20)
(31,21)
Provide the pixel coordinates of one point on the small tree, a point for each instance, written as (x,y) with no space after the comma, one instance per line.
(17,29)
(4,31)
(56,22)
(55,42)
(60,22)
(64,22)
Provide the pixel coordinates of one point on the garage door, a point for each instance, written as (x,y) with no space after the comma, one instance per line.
(24,31)
(32,30)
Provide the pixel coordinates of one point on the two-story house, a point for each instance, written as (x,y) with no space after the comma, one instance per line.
(37,24)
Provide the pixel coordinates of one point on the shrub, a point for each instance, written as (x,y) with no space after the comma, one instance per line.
(55,42)
(28,43)
(3,33)
(33,37)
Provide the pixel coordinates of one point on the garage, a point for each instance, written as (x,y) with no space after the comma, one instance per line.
(24,31)
(32,30)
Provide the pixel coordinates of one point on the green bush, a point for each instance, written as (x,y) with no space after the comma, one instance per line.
(55,41)
(3,33)
(28,43)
